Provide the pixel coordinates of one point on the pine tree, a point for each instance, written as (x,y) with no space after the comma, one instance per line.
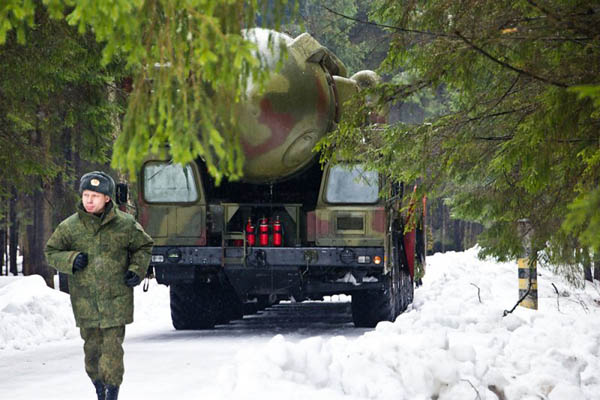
(518,136)
(54,97)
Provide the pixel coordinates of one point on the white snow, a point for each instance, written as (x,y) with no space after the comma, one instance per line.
(448,345)
(3,269)
(268,43)
(31,313)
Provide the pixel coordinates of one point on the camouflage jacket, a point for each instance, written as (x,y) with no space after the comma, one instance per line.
(114,244)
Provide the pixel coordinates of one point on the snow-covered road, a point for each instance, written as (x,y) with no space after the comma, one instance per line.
(161,362)
(448,345)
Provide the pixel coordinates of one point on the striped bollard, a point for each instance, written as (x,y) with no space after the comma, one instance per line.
(528,284)
(527,270)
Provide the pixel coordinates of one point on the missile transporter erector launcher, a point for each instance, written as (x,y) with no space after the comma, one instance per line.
(290,229)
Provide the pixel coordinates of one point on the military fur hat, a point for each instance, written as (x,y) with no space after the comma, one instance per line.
(97,181)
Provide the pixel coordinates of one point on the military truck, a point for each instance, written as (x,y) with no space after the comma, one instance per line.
(291,229)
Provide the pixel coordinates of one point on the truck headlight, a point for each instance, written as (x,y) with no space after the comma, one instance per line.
(158,258)
(364,259)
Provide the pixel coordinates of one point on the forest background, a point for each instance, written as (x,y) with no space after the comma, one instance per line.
(494,108)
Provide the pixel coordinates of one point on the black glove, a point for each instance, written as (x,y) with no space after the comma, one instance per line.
(80,262)
(132,279)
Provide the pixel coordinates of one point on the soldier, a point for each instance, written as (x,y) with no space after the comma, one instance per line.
(105,253)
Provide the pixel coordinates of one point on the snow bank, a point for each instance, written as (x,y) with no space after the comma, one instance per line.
(31,313)
(151,310)
(447,346)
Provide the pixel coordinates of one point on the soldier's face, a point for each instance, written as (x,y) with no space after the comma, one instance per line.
(94,202)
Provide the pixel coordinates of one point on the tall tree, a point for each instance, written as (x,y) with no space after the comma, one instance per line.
(50,86)
(519,138)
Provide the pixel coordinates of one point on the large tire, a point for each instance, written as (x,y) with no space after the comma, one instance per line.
(230,306)
(370,307)
(193,306)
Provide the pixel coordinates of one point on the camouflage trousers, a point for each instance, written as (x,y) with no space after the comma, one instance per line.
(103,350)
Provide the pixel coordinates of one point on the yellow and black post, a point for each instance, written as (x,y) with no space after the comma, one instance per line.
(528,293)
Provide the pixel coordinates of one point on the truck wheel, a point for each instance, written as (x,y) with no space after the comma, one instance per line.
(370,307)
(193,306)
(230,306)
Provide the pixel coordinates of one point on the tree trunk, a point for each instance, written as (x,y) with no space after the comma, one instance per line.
(14,233)
(28,237)
(597,266)
(37,236)
(587,265)
(63,199)
(2,247)
(39,233)
(4,238)
(458,235)
(443,235)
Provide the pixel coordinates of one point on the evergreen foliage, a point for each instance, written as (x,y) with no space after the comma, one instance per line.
(58,104)
(189,62)
(518,137)
(54,98)
(359,46)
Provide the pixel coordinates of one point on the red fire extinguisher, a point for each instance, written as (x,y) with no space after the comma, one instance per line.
(250,233)
(263,232)
(277,232)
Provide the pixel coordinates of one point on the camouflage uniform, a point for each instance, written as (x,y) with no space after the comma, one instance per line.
(102,303)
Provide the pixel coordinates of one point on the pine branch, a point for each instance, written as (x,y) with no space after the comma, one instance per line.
(559,20)
(507,65)
(494,138)
(478,292)
(557,296)
(396,28)
(474,388)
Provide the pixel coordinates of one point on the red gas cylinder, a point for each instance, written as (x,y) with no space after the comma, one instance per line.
(250,233)
(277,232)
(263,232)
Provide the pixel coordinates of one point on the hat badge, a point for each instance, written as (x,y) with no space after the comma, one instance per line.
(95,182)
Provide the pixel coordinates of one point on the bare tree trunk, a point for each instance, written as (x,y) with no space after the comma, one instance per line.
(587,265)
(28,237)
(2,246)
(443,236)
(39,232)
(37,236)
(14,233)
(458,235)
(468,235)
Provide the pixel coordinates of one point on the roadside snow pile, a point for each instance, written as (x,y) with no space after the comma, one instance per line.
(448,346)
(31,313)
(151,309)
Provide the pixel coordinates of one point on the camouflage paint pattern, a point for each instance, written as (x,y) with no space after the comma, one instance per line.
(281,125)
(327,233)
(114,244)
(103,349)
(324,225)
(178,224)
(301,102)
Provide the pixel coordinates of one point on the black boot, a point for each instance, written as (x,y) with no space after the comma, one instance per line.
(112,392)
(100,389)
